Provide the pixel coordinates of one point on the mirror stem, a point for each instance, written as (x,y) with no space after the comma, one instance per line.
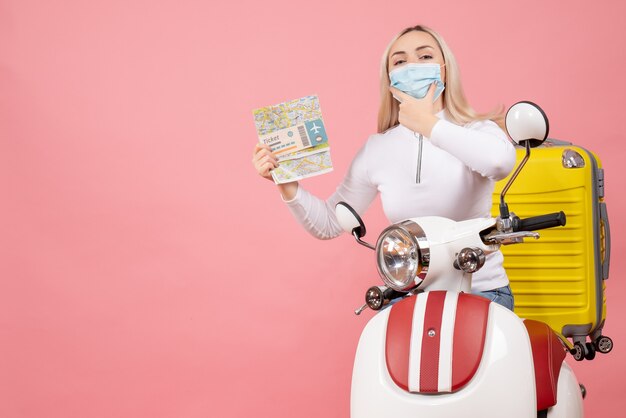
(504,208)
(363,243)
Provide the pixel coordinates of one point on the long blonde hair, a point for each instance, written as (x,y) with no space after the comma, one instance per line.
(454,101)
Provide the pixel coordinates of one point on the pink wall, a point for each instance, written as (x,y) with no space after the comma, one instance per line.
(146,271)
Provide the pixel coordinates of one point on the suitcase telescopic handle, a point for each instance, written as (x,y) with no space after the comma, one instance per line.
(540,222)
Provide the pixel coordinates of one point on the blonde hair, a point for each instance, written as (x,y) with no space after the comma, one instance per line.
(454,101)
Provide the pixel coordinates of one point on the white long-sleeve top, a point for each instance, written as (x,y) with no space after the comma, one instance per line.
(457,171)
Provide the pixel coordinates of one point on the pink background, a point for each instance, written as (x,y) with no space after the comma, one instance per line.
(146,270)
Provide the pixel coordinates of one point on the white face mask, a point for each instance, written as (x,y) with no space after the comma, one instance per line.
(415,79)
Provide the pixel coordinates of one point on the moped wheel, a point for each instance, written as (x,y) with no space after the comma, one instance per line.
(578,352)
(591,351)
(604,344)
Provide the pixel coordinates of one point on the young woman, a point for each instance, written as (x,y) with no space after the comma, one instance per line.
(433,154)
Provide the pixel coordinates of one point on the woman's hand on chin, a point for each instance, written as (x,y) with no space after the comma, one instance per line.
(417,115)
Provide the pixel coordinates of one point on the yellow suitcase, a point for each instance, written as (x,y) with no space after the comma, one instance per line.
(560,278)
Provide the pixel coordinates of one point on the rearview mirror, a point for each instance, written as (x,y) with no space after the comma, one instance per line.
(526,121)
(349,220)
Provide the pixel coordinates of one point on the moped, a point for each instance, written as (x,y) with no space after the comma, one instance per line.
(435,350)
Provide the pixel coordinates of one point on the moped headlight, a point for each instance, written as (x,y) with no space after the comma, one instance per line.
(398,256)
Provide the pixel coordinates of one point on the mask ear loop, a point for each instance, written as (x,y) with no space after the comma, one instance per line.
(443,81)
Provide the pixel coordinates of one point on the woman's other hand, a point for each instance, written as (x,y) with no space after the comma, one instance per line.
(417,115)
(264,160)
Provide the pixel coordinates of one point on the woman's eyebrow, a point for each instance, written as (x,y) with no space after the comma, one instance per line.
(416,49)
(423,47)
(397,53)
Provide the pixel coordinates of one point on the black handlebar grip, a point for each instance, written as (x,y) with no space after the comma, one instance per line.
(541,222)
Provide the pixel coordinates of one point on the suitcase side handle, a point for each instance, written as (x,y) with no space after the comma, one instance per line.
(604,219)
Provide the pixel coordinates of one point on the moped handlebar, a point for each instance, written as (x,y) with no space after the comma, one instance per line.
(540,222)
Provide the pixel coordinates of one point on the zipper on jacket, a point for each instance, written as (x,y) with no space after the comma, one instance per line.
(418,172)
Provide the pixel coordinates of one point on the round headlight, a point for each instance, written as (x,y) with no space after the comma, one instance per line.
(398,258)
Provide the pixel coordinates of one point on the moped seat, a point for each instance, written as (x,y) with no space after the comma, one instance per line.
(548,355)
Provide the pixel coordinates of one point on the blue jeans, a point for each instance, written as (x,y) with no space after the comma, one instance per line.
(501,295)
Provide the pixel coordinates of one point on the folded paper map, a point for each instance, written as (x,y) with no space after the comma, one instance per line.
(296,134)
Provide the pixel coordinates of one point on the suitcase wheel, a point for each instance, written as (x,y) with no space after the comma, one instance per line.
(578,352)
(604,344)
(590,351)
